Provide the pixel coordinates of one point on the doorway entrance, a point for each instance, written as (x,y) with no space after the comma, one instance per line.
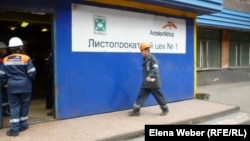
(35,29)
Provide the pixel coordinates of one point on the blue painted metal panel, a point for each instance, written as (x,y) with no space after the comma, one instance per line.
(62,58)
(200,7)
(202,3)
(110,82)
(239,21)
(229,25)
(226,19)
(92,83)
(208,5)
(230,18)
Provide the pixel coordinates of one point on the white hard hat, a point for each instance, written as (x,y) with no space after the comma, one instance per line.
(15,42)
(3,45)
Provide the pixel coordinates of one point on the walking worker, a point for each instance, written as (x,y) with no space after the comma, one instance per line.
(4,96)
(151,82)
(20,72)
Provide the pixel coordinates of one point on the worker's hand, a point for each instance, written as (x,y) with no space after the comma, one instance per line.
(148,79)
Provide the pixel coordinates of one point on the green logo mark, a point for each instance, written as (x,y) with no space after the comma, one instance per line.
(100,24)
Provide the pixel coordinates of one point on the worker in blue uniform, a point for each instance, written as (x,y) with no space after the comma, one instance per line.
(4,96)
(20,72)
(50,89)
(151,83)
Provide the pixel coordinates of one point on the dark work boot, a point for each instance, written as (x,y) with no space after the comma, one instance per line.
(164,112)
(51,113)
(12,133)
(23,128)
(134,113)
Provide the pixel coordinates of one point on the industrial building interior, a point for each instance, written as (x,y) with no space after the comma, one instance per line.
(35,29)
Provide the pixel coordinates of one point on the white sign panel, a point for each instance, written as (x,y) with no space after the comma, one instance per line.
(96,29)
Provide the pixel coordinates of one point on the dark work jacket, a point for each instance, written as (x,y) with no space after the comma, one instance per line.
(150,69)
(3,80)
(19,71)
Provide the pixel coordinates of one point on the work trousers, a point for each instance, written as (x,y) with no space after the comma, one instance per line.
(49,94)
(5,97)
(143,95)
(19,108)
(5,104)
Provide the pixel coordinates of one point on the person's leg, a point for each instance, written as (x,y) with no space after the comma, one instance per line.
(51,113)
(142,96)
(51,89)
(160,100)
(52,97)
(14,103)
(25,105)
(49,96)
(5,104)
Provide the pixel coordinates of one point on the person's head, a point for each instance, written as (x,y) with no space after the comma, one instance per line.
(3,49)
(145,48)
(15,45)
(25,46)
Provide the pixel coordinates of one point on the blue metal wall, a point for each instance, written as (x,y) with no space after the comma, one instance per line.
(226,19)
(92,83)
(200,7)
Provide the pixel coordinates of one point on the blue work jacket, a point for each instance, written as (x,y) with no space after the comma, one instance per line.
(19,71)
(150,69)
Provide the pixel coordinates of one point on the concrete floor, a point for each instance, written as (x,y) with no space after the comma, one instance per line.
(37,113)
(115,126)
(118,125)
(236,94)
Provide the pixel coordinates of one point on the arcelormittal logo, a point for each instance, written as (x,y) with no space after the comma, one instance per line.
(170,25)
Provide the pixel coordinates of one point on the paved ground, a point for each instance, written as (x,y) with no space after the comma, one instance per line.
(236,94)
(224,99)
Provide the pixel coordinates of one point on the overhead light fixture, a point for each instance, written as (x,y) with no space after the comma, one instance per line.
(12,28)
(24,24)
(38,13)
(44,29)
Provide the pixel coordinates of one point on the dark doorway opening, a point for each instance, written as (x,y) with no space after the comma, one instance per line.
(39,43)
